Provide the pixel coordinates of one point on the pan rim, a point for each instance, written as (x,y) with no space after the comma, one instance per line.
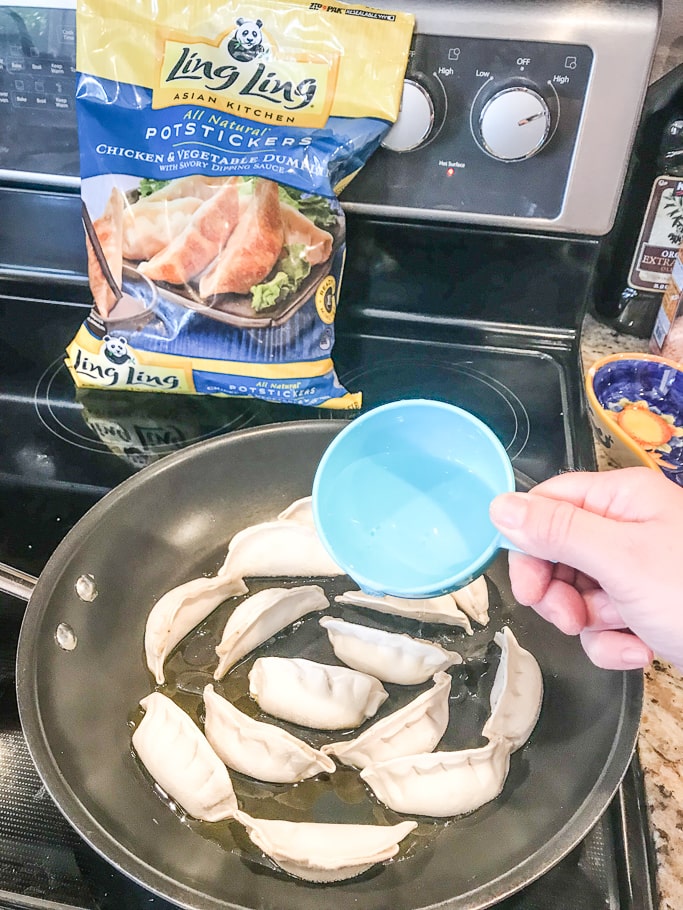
(98,837)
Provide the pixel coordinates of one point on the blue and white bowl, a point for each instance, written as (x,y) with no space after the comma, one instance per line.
(636,406)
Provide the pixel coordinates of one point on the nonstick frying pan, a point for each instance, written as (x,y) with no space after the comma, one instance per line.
(81,674)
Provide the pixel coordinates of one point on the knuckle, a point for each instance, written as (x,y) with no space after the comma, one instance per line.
(555,524)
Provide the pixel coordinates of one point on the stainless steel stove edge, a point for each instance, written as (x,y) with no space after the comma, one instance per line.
(622,62)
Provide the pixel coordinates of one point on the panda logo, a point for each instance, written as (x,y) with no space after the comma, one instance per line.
(246,42)
(116,349)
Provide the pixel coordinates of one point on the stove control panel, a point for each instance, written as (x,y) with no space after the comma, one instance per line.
(38,139)
(487,127)
(525,120)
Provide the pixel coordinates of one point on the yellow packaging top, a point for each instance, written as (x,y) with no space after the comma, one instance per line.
(342,60)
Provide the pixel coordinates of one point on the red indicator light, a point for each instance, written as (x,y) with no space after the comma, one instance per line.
(450,171)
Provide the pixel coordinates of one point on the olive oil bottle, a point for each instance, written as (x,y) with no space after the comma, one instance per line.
(637,256)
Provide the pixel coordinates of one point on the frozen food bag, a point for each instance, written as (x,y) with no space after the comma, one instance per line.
(214,140)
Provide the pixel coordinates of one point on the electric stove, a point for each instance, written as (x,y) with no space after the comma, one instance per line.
(469,266)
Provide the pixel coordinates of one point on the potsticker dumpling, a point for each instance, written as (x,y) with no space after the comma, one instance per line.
(151,224)
(390,656)
(179,758)
(261,616)
(440,784)
(516,695)
(473,600)
(442,609)
(319,852)
(300,511)
(314,695)
(179,611)
(417,727)
(203,238)
(256,749)
(276,549)
(252,248)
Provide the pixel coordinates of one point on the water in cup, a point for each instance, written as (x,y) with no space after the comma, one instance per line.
(407,528)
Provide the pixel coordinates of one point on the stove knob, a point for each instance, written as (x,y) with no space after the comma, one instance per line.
(415,120)
(513,124)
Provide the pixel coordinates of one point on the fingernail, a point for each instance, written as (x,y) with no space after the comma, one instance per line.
(635,657)
(509,510)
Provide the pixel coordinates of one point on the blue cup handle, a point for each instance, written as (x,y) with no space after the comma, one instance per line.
(506,544)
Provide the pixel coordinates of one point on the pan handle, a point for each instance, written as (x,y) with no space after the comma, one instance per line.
(16,583)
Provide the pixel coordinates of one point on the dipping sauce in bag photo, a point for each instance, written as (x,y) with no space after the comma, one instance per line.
(214,139)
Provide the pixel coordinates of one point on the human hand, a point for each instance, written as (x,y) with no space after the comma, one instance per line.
(603,559)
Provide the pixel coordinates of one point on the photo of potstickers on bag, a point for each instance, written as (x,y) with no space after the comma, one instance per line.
(211,159)
(243,250)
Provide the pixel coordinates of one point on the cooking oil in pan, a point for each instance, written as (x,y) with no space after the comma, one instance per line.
(340,797)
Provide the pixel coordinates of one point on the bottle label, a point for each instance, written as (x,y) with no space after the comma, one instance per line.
(670,310)
(660,236)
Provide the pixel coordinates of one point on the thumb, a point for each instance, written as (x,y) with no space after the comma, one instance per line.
(558,531)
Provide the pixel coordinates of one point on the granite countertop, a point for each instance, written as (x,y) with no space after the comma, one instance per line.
(660,743)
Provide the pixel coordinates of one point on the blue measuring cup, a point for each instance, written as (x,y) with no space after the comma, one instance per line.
(401,498)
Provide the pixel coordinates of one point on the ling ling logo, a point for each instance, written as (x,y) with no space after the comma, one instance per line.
(246,74)
(115,365)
